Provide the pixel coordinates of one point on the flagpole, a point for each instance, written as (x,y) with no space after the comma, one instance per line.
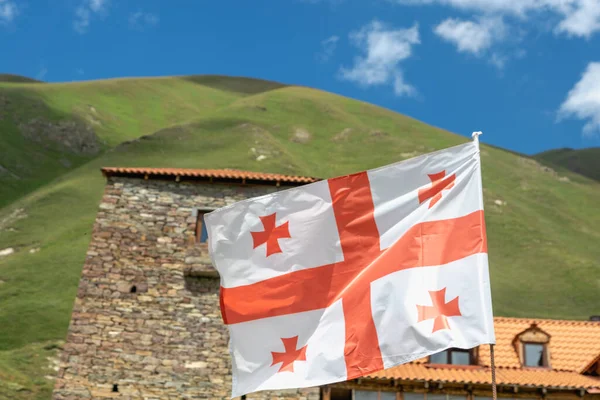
(475,137)
(493,371)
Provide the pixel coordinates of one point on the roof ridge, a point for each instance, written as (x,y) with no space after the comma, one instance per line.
(239,170)
(548,320)
(216,173)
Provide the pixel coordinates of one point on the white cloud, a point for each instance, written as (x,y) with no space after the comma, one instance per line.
(583,100)
(581,21)
(85,11)
(384,48)
(475,37)
(329,45)
(97,5)
(516,7)
(8,11)
(471,36)
(140,20)
(578,17)
(401,88)
(82,19)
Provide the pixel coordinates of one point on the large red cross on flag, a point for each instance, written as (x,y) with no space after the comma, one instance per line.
(340,278)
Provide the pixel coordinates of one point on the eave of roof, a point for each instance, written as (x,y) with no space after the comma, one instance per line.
(533,378)
(212,175)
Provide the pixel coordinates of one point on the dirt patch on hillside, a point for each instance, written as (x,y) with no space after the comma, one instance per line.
(343,135)
(71,135)
(14,216)
(347,133)
(262,142)
(301,135)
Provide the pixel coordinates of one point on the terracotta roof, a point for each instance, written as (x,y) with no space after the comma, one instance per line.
(483,375)
(573,346)
(219,174)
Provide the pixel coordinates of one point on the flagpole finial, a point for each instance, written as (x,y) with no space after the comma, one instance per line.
(475,136)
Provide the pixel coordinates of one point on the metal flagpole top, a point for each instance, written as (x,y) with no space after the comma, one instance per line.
(475,135)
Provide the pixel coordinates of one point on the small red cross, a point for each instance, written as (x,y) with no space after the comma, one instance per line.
(438,183)
(439,310)
(291,354)
(271,234)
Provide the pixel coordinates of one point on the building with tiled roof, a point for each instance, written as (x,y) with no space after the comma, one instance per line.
(212,175)
(146,323)
(534,358)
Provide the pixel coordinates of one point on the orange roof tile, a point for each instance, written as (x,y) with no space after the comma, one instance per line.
(483,375)
(224,174)
(573,346)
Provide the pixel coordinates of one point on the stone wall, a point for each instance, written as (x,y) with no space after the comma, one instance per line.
(146,323)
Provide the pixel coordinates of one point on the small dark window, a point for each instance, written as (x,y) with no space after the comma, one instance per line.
(453,357)
(133,289)
(439,358)
(534,354)
(460,358)
(201,232)
(340,394)
(372,395)
(115,388)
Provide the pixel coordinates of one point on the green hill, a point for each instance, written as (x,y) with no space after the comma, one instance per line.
(585,162)
(17,79)
(542,225)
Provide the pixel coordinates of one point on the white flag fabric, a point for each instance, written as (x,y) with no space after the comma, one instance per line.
(344,277)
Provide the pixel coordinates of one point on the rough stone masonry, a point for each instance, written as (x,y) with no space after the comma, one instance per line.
(146,323)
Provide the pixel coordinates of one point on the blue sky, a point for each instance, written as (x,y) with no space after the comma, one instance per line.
(526,72)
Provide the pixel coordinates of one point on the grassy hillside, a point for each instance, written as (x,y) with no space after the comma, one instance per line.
(542,225)
(585,162)
(48,130)
(17,79)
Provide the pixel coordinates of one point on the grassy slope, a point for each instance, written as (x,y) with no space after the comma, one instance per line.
(585,162)
(542,242)
(28,372)
(118,109)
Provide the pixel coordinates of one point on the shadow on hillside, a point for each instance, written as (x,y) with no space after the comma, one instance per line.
(38,142)
(11,78)
(234,84)
(585,162)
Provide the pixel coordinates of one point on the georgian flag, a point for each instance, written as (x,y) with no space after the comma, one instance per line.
(340,278)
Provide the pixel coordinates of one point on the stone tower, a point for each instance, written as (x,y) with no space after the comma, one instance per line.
(146,323)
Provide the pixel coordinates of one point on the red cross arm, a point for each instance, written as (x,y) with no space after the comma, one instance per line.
(439,182)
(425,244)
(291,354)
(439,310)
(271,234)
